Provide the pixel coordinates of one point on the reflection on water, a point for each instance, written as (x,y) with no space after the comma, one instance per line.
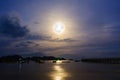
(20,67)
(58,62)
(59,73)
(63,71)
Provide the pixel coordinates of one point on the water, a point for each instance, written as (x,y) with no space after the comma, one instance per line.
(64,71)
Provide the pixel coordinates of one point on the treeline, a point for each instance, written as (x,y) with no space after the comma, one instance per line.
(44,58)
(102,60)
(18,58)
(12,59)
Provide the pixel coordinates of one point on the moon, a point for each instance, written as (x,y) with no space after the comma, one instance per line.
(59,28)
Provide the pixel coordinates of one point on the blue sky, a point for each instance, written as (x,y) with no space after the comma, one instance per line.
(92,28)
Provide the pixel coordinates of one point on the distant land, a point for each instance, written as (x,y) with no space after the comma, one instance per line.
(102,60)
(20,59)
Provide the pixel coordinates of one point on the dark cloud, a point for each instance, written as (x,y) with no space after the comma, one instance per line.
(27,44)
(34,54)
(49,38)
(10,26)
(62,40)
(38,37)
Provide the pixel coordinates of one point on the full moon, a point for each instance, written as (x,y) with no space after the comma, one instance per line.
(59,28)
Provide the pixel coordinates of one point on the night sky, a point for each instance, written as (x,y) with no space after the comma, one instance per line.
(92,28)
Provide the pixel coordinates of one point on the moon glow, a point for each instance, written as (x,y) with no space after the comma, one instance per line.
(59,28)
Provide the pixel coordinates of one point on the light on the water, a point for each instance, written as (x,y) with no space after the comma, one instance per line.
(59,73)
(58,61)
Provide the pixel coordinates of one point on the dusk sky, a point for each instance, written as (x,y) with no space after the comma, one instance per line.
(88,28)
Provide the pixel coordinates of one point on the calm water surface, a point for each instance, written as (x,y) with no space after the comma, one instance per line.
(64,71)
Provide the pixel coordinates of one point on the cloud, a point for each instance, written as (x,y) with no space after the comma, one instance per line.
(38,37)
(15,38)
(49,38)
(10,26)
(62,40)
(26,44)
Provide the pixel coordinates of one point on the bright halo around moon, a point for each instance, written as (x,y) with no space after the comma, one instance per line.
(59,28)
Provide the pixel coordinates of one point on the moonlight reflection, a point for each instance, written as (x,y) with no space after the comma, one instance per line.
(59,73)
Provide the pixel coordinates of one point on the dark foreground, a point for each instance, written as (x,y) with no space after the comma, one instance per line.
(61,71)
